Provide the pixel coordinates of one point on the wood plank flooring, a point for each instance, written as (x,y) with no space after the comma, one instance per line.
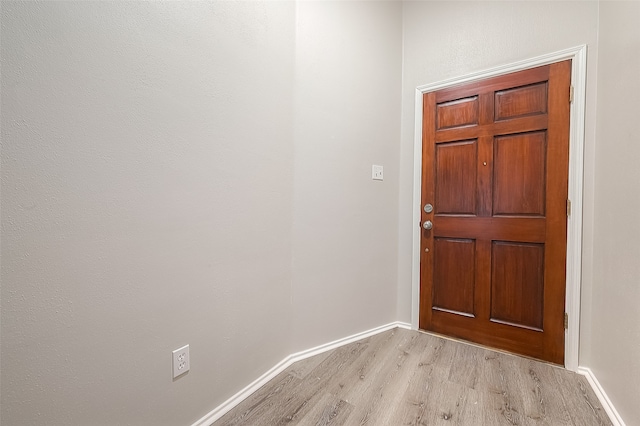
(403,377)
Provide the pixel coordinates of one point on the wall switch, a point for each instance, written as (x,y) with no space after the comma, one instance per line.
(180,361)
(376,172)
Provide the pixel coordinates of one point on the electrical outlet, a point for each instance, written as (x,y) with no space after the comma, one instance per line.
(180,361)
(376,172)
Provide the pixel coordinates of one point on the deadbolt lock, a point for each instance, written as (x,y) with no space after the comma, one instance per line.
(428,208)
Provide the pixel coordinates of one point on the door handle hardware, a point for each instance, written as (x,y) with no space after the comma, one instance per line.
(427,224)
(428,208)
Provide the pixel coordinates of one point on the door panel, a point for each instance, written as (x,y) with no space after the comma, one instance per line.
(521,101)
(519,174)
(517,284)
(453,286)
(495,168)
(456,178)
(457,113)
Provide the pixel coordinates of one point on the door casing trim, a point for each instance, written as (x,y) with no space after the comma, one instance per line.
(578,55)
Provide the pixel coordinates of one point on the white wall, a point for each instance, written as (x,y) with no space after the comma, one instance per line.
(615,320)
(160,162)
(347,117)
(147,153)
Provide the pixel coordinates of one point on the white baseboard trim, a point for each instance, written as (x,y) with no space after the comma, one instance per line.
(226,406)
(602,396)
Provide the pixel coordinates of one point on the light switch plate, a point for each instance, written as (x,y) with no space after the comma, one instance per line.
(377,172)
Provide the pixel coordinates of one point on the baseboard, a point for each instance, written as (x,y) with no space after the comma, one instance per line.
(602,396)
(226,406)
(404,325)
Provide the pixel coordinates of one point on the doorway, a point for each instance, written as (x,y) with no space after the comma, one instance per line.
(459,247)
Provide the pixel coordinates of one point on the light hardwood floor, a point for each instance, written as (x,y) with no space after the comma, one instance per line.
(403,377)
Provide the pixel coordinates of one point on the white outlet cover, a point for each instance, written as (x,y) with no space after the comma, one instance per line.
(377,172)
(181,361)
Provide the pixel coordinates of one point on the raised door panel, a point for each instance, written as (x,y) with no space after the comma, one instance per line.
(453,286)
(521,101)
(456,177)
(457,113)
(519,174)
(517,283)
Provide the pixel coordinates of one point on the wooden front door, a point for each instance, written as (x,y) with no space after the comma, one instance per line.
(495,171)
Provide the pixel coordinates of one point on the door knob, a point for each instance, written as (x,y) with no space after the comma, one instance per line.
(427,224)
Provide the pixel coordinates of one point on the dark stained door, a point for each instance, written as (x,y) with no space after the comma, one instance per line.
(495,170)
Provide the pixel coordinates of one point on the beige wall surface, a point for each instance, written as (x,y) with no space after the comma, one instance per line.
(615,340)
(147,153)
(347,117)
(443,40)
(154,184)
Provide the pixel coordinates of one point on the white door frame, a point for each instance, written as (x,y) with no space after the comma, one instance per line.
(578,55)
